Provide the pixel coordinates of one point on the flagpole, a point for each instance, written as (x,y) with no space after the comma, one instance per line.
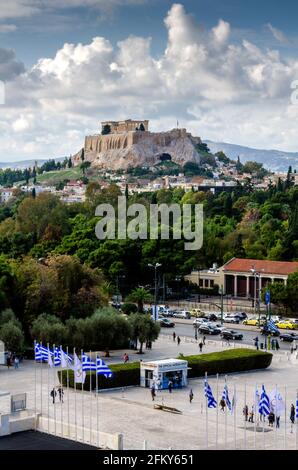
(82,391)
(35,391)
(206,415)
(41,385)
(296,419)
(256,414)
(245,415)
(75,394)
(54,389)
(285,417)
(97,423)
(234,409)
(48,394)
(226,422)
(216,442)
(275,433)
(90,377)
(61,388)
(67,390)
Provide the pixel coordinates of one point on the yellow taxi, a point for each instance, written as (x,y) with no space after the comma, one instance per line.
(286,325)
(251,322)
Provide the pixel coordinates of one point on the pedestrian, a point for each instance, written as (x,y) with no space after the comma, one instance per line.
(174,336)
(271,419)
(16,362)
(256,340)
(178,340)
(292,415)
(222,404)
(153,394)
(170,386)
(190,395)
(277,421)
(200,346)
(53,394)
(276,345)
(251,415)
(125,358)
(273,344)
(294,345)
(8,362)
(245,412)
(61,394)
(204,340)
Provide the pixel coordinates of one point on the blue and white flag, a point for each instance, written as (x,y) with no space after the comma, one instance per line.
(102,368)
(225,397)
(297,408)
(79,374)
(277,403)
(272,327)
(57,357)
(42,353)
(211,402)
(264,404)
(37,352)
(87,364)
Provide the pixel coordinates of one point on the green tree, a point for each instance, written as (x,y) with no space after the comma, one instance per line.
(140,295)
(12,336)
(143,329)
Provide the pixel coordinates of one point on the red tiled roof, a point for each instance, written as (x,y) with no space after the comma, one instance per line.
(261,266)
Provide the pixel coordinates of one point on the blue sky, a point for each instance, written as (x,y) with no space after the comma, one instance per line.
(223,68)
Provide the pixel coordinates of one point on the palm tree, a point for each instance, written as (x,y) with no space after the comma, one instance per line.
(140,295)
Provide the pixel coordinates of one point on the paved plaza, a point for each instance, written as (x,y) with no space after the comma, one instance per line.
(130,411)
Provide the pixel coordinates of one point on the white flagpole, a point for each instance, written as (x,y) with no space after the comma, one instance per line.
(226,430)
(67,390)
(275,431)
(83,436)
(75,394)
(35,391)
(206,415)
(61,388)
(216,442)
(90,377)
(296,421)
(41,385)
(234,410)
(97,421)
(54,389)
(256,411)
(48,393)
(285,417)
(245,422)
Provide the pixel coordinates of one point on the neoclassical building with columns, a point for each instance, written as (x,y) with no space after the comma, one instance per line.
(244,277)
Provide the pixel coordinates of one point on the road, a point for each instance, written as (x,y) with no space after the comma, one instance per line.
(185,328)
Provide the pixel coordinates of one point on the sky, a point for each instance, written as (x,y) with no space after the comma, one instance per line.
(224,70)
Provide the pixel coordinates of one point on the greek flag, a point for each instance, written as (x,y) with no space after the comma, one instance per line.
(102,368)
(297,408)
(264,404)
(225,397)
(211,402)
(57,357)
(42,353)
(37,352)
(87,364)
(272,327)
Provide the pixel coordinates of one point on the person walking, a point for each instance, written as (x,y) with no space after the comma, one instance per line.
(8,361)
(200,346)
(251,415)
(53,394)
(174,336)
(245,412)
(256,340)
(292,416)
(294,344)
(190,395)
(178,340)
(271,419)
(204,340)
(170,386)
(125,358)
(277,421)
(16,362)
(153,394)
(61,394)
(222,404)
(277,345)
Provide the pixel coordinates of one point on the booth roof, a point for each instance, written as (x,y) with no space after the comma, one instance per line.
(165,362)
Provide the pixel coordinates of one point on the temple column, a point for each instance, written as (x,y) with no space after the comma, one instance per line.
(235,286)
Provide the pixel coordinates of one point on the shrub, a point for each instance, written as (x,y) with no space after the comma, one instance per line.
(12,336)
(129,307)
(123,375)
(231,360)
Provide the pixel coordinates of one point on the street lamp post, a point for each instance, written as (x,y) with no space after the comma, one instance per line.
(155,266)
(221,304)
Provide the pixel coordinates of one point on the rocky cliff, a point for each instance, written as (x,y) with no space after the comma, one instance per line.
(139,148)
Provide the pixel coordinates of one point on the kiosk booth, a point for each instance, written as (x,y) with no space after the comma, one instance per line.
(159,373)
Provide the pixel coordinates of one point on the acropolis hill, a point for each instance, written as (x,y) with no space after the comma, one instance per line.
(126,144)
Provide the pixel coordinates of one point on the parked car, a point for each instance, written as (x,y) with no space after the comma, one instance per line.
(251,321)
(268,331)
(231,319)
(286,325)
(199,321)
(231,334)
(241,315)
(182,314)
(167,313)
(288,337)
(218,326)
(165,322)
(212,317)
(209,330)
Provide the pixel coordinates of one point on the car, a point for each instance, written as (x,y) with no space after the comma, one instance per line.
(218,326)
(231,319)
(288,337)
(231,334)
(268,331)
(167,313)
(286,325)
(165,322)
(251,321)
(241,315)
(212,317)
(208,330)
(199,321)
(182,314)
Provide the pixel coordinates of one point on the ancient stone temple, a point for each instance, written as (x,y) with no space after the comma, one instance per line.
(129,143)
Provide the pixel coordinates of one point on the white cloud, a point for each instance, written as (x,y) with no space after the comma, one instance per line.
(7,28)
(217,89)
(277,33)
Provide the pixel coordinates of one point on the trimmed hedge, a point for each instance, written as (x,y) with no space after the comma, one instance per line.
(123,375)
(231,360)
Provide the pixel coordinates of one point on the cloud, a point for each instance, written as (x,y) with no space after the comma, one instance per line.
(7,28)
(216,88)
(277,33)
